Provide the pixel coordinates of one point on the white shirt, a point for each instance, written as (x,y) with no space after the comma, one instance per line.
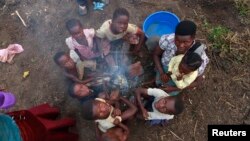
(158,94)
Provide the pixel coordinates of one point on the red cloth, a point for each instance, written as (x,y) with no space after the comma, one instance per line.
(30,127)
(39,124)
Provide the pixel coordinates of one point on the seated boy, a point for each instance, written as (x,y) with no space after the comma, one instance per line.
(105,115)
(160,106)
(118,133)
(89,90)
(85,46)
(119,29)
(71,70)
(183,71)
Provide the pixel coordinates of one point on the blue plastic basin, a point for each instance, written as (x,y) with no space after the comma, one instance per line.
(160,23)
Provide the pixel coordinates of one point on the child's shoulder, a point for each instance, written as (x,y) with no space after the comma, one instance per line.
(89,32)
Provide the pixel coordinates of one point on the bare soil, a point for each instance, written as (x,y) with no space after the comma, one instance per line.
(222,99)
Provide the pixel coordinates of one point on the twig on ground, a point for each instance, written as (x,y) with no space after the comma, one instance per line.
(175,135)
(195,128)
(21,18)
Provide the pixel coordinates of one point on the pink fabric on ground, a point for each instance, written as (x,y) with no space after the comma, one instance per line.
(6,55)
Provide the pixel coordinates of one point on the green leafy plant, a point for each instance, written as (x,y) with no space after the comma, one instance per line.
(217,35)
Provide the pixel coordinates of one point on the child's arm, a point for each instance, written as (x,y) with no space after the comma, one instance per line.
(157,60)
(125,130)
(141,92)
(75,79)
(141,40)
(130,111)
(186,80)
(169,89)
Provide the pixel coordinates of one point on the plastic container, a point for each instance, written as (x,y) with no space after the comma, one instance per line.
(160,23)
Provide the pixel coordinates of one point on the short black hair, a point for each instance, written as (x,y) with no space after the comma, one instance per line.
(179,105)
(87,109)
(120,12)
(186,27)
(72,23)
(192,60)
(71,89)
(57,56)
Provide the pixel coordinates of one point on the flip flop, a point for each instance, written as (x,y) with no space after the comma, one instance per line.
(7,100)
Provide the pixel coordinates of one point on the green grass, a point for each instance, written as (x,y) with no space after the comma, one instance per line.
(242,7)
(217,35)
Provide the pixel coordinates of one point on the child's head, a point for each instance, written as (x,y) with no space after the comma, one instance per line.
(120,20)
(114,134)
(96,109)
(63,60)
(78,90)
(190,62)
(75,28)
(170,105)
(184,35)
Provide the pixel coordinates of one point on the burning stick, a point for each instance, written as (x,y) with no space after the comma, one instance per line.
(21,18)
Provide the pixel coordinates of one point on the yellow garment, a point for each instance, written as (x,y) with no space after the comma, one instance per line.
(187,79)
(105,32)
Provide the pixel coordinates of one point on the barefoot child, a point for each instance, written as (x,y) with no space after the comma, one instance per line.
(160,106)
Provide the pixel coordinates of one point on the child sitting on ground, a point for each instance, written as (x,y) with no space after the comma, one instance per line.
(85,46)
(183,71)
(118,133)
(119,29)
(89,90)
(105,115)
(72,70)
(160,107)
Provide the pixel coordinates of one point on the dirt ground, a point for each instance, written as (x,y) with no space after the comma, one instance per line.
(223,98)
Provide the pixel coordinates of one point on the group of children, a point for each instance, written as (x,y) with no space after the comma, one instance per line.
(179,61)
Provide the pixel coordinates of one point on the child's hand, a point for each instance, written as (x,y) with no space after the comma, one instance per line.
(145,113)
(114,95)
(164,78)
(116,112)
(116,121)
(179,77)
(105,51)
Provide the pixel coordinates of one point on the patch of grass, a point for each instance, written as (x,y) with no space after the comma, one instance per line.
(226,43)
(217,35)
(243,7)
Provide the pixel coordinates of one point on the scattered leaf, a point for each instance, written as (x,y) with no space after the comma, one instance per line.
(26,74)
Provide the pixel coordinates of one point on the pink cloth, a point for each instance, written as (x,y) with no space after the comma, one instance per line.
(6,55)
(86,51)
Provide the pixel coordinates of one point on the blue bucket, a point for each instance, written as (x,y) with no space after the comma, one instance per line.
(160,23)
